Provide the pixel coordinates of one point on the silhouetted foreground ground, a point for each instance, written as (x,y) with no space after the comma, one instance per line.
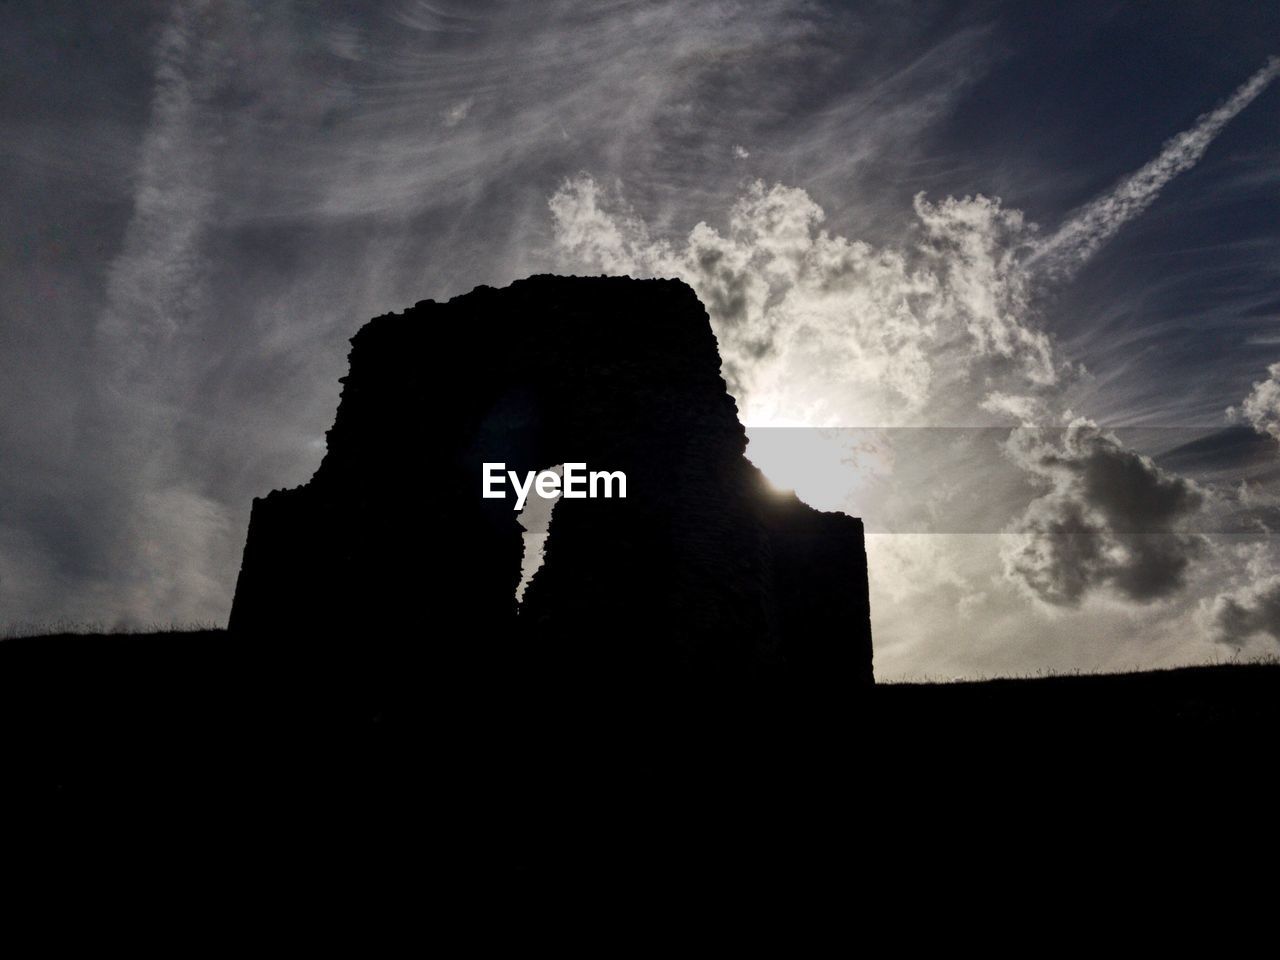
(187,747)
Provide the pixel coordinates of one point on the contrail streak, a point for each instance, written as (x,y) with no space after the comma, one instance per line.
(1062,254)
(155,278)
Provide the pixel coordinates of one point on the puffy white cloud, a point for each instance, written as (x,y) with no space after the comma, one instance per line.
(975,244)
(818,329)
(1261,408)
(1110,519)
(939,328)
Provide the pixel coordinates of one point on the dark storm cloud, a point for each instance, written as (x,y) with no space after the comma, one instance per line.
(1110,519)
(1255,610)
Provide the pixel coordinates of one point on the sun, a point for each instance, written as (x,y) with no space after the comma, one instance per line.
(826,467)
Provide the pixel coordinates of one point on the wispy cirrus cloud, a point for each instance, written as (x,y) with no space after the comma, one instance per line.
(163,542)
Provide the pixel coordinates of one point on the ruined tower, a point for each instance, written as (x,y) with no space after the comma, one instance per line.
(702,573)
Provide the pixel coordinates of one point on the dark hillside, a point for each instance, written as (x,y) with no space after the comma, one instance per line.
(197,747)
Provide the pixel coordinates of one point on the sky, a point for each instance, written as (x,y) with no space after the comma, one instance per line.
(1000,278)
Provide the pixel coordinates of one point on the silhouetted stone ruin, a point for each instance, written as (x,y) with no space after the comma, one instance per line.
(391,557)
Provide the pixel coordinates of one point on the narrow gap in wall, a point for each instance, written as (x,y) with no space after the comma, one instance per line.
(535,519)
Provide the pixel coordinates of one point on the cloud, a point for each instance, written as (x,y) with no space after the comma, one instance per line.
(1238,617)
(518,87)
(155,281)
(1080,236)
(1245,612)
(976,242)
(1023,408)
(257,184)
(1111,519)
(818,329)
(1261,408)
(296,175)
(458,112)
(162,547)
